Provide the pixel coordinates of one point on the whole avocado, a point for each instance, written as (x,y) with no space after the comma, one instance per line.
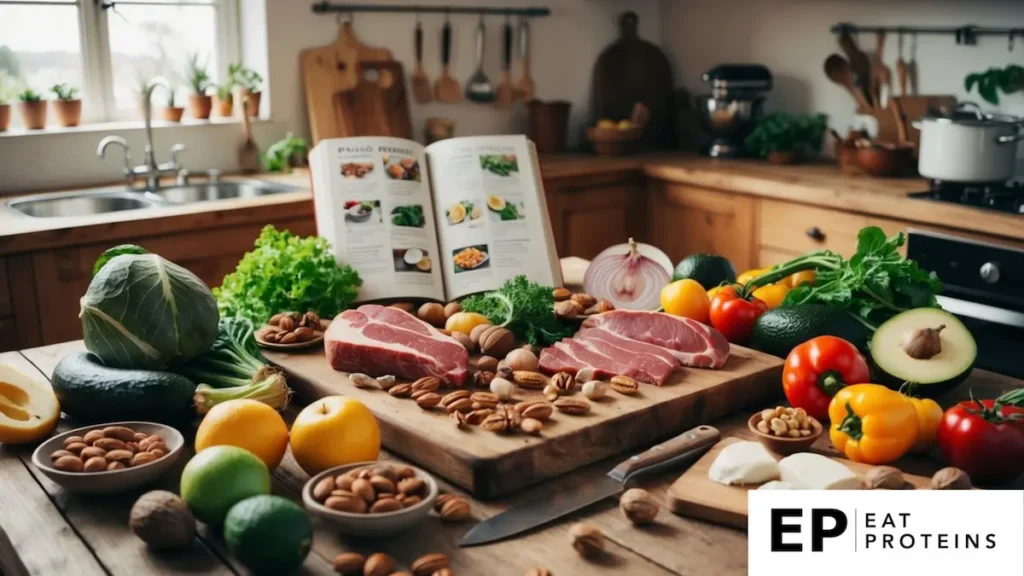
(709,270)
(89,391)
(780,330)
(269,534)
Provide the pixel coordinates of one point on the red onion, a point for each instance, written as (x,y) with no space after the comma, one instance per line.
(630,276)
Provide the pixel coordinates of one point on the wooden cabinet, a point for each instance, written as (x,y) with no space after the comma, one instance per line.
(591,213)
(688,220)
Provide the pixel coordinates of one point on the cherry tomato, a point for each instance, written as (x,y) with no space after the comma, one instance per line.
(984,439)
(733,316)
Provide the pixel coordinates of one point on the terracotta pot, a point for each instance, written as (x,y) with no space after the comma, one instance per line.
(784,157)
(224,107)
(69,112)
(172,114)
(5,117)
(33,114)
(253,106)
(200,106)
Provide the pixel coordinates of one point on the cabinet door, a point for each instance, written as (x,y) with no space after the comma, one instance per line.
(787,227)
(690,220)
(587,217)
(63,275)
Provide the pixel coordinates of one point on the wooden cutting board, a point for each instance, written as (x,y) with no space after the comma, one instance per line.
(490,465)
(697,496)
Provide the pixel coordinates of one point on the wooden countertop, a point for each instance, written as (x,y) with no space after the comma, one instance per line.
(49,531)
(815,184)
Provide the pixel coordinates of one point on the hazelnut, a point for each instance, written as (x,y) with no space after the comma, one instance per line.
(464,339)
(884,478)
(497,341)
(432,313)
(488,363)
(451,308)
(475,333)
(951,479)
(587,540)
(638,506)
(521,359)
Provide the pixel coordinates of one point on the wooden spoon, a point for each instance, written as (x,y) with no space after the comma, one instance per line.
(838,70)
(420,83)
(859,63)
(447,88)
(901,66)
(248,152)
(504,95)
(524,87)
(881,76)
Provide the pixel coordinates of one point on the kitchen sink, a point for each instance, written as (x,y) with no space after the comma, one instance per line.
(105,201)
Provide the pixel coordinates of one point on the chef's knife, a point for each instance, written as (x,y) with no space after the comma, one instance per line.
(683,449)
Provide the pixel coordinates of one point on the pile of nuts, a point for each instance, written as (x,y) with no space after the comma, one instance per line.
(380,564)
(110,448)
(569,305)
(373,489)
(291,328)
(786,422)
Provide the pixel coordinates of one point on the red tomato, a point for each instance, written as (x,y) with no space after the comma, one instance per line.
(984,439)
(734,316)
(817,369)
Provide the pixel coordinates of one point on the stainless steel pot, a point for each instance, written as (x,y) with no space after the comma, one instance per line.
(968,146)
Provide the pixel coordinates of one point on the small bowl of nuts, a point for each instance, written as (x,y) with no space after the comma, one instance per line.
(109,458)
(371,498)
(785,430)
(291,331)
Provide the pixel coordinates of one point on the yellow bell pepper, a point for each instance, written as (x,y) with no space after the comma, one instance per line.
(772,294)
(929,416)
(797,278)
(750,275)
(872,424)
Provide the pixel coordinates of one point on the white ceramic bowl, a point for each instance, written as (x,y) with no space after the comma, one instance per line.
(112,481)
(384,524)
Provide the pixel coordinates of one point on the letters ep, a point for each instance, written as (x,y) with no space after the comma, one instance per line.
(780,527)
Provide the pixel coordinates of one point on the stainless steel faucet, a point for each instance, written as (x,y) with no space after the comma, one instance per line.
(149,170)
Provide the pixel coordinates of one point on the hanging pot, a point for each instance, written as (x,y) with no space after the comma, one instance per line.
(968,146)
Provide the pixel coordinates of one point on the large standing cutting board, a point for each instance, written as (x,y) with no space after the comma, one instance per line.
(697,496)
(489,465)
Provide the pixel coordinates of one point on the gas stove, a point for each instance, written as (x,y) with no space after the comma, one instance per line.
(1004,197)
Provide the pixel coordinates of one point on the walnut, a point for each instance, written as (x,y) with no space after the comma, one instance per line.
(639,506)
(587,540)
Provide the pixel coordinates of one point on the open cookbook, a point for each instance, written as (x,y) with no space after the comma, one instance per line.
(439,222)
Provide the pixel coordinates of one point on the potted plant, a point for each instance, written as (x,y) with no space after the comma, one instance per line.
(785,138)
(171,112)
(5,113)
(33,109)
(68,108)
(285,153)
(995,80)
(224,99)
(199,102)
(251,83)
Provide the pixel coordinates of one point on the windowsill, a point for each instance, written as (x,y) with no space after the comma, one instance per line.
(125,125)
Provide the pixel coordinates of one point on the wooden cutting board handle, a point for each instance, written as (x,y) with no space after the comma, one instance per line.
(664,454)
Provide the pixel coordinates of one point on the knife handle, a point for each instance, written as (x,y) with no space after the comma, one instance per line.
(666,453)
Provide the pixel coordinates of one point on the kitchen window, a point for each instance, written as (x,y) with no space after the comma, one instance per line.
(105,47)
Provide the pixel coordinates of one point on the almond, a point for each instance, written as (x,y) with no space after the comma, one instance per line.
(158,452)
(463,405)
(351,504)
(385,505)
(148,441)
(142,458)
(69,463)
(379,564)
(441,499)
(59,454)
(73,440)
(428,383)
(455,510)
(411,486)
(531,426)
(139,437)
(428,400)
(121,456)
(304,334)
(343,482)
(95,464)
(539,411)
(323,489)
(92,452)
(349,564)
(560,294)
(566,309)
(584,300)
(385,471)
(410,501)
(92,436)
(428,564)
(572,406)
(121,433)
(382,485)
(531,380)
(403,472)
(116,466)
(75,447)
(400,390)
(624,384)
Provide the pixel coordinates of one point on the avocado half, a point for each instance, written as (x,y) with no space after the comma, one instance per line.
(709,270)
(931,376)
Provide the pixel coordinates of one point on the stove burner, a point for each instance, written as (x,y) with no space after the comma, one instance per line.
(1004,197)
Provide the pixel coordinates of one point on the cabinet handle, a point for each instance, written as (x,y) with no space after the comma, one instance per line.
(815,233)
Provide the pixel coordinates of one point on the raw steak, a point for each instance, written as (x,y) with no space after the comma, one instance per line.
(693,343)
(379,340)
(610,355)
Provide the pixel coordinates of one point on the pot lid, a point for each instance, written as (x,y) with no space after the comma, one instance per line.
(969,114)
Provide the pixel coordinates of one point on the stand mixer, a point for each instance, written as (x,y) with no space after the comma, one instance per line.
(729,112)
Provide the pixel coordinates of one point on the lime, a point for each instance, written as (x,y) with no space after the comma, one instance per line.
(218,478)
(269,534)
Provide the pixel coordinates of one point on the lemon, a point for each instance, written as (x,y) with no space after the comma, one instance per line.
(457,213)
(496,203)
(606,123)
(465,322)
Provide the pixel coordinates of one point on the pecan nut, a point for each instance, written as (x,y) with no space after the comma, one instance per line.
(624,384)
(572,406)
(530,380)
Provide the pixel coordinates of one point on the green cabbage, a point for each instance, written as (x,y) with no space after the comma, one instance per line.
(144,312)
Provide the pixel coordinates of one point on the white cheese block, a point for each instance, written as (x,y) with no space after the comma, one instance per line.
(816,472)
(778,485)
(744,463)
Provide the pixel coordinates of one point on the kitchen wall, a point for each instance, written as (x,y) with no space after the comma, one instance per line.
(792,38)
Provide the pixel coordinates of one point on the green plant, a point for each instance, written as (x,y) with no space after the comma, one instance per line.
(776,132)
(224,91)
(281,154)
(64,91)
(994,80)
(245,77)
(29,95)
(198,77)
(525,308)
(171,90)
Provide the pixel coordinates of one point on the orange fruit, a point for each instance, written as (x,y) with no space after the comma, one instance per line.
(333,431)
(686,298)
(28,409)
(247,424)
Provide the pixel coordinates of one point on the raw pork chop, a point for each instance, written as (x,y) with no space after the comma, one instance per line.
(608,355)
(379,340)
(693,343)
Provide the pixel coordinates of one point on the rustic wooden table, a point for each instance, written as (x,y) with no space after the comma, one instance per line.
(44,530)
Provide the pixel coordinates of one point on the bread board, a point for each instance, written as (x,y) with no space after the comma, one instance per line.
(695,495)
(490,465)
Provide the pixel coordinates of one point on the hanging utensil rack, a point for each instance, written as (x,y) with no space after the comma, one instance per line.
(525,12)
(964,35)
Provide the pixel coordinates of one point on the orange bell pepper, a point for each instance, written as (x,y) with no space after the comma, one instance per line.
(872,424)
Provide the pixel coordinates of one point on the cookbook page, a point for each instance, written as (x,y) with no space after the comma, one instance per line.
(372,198)
(492,216)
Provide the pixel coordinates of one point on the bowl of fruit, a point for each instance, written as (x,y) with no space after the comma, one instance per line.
(611,137)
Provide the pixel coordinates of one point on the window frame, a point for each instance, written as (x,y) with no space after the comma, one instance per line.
(98,103)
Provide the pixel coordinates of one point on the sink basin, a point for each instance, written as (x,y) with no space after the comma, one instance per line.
(80,203)
(219,191)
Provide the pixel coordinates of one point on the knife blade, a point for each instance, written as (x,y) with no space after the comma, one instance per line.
(683,449)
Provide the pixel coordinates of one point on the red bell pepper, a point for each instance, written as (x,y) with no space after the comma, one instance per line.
(733,315)
(819,368)
(985,439)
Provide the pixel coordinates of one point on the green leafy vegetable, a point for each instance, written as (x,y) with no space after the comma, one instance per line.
(776,132)
(509,212)
(116,251)
(874,285)
(286,272)
(994,80)
(499,164)
(283,153)
(410,216)
(268,386)
(233,360)
(526,308)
